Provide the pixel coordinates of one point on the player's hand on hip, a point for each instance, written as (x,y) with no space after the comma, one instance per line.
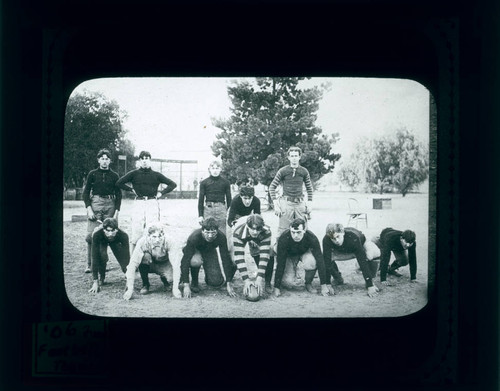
(372,291)
(90,214)
(200,220)
(277,208)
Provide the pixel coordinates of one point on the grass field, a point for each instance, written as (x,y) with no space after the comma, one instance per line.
(180,217)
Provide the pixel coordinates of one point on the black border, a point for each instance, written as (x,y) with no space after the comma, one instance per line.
(52,48)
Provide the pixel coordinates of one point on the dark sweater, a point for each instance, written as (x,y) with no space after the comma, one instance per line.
(145,182)
(287,247)
(214,189)
(196,241)
(390,240)
(103,183)
(353,243)
(238,209)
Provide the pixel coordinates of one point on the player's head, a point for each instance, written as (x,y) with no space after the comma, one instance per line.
(298,229)
(145,159)
(104,158)
(156,232)
(246,194)
(255,225)
(209,229)
(294,154)
(407,239)
(110,228)
(335,232)
(214,168)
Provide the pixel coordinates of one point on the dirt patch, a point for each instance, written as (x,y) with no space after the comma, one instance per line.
(350,300)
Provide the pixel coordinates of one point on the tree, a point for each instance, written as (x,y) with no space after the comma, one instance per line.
(392,162)
(267,117)
(92,122)
(348,175)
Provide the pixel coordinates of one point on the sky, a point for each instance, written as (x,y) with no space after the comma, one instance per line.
(172,117)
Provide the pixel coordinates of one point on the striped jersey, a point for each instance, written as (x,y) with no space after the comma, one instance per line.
(241,237)
(292,180)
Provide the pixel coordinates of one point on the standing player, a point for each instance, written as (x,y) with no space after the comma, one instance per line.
(403,246)
(201,249)
(101,197)
(298,245)
(145,182)
(291,204)
(340,244)
(215,196)
(108,235)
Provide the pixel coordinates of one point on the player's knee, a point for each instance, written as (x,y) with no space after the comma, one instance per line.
(147,259)
(196,261)
(309,261)
(372,251)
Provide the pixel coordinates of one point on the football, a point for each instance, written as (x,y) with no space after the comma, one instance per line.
(252,294)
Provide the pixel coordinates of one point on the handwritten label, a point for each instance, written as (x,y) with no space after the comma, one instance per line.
(77,348)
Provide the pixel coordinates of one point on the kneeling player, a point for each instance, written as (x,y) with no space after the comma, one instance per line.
(258,237)
(201,249)
(107,235)
(402,245)
(151,255)
(295,245)
(340,244)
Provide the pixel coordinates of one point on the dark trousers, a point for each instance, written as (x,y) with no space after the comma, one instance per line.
(211,266)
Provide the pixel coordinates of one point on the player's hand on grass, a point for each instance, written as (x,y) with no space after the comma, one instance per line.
(386,283)
(331,291)
(95,287)
(324,290)
(276,292)
(413,281)
(372,291)
(230,290)
(128,294)
(176,292)
(90,214)
(186,292)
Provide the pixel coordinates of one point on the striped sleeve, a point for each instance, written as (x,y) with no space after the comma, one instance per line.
(265,249)
(239,257)
(274,184)
(309,187)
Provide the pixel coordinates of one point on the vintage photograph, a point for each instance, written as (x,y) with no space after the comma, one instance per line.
(264,197)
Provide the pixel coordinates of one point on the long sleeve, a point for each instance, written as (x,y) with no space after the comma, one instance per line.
(87,188)
(95,255)
(318,256)
(122,182)
(188,252)
(239,257)
(309,187)
(412,260)
(228,194)
(231,215)
(327,257)
(256,205)
(265,249)
(117,192)
(171,185)
(135,261)
(227,263)
(280,261)
(360,254)
(275,183)
(201,199)
(385,256)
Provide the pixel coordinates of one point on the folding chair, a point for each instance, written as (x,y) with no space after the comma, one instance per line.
(355,214)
